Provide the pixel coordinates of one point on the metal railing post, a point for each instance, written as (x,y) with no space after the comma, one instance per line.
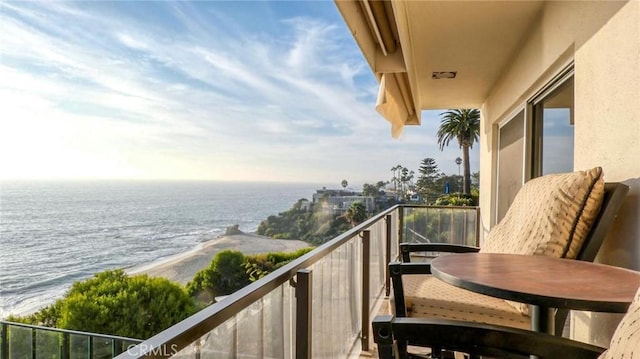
(65,350)
(387,258)
(34,343)
(477,226)
(114,348)
(366,258)
(4,347)
(400,224)
(304,297)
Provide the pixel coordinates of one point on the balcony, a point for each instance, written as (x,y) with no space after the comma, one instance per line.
(318,306)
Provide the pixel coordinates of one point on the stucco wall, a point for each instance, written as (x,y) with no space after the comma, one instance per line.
(603,40)
(607,74)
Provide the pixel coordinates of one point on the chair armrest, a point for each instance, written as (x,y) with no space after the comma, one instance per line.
(407,248)
(474,338)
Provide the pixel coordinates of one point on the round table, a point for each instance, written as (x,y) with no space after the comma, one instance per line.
(544,282)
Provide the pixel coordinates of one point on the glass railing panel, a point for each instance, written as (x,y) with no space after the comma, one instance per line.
(219,343)
(48,344)
(78,346)
(264,329)
(20,342)
(455,225)
(395,251)
(337,294)
(127,344)
(194,351)
(377,264)
(277,319)
(249,324)
(102,348)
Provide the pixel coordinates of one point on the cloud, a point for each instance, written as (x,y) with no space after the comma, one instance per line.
(190,90)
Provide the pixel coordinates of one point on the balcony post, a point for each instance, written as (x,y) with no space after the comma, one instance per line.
(304,297)
(400,224)
(65,350)
(366,258)
(116,347)
(387,258)
(4,348)
(477,226)
(91,353)
(34,343)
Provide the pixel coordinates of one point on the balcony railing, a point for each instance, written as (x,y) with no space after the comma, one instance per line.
(317,306)
(440,224)
(22,341)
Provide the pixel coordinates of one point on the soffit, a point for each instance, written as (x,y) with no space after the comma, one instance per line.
(478,39)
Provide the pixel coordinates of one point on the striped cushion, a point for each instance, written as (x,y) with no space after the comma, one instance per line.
(626,339)
(429,297)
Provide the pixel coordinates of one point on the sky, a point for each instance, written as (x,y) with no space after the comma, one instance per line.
(205,90)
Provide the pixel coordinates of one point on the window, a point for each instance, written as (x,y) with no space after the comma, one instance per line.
(536,141)
(510,162)
(552,129)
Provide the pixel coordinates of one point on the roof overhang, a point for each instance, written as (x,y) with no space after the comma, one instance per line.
(475,39)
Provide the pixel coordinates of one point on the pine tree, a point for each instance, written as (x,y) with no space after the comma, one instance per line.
(426,184)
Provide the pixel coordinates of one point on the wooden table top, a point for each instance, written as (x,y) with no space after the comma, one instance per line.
(541,280)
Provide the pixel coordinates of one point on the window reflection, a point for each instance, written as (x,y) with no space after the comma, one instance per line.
(553,131)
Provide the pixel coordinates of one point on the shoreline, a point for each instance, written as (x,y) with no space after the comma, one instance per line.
(182,267)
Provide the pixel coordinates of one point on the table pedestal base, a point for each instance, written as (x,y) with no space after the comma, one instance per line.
(543,319)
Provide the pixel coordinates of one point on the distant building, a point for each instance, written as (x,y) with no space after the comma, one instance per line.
(339,200)
(415,198)
(304,204)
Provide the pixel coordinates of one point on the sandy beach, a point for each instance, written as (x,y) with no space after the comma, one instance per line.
(183,267)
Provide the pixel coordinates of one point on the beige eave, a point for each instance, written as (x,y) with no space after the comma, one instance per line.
(405,42)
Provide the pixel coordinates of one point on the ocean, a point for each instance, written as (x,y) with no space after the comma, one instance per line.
(55,233)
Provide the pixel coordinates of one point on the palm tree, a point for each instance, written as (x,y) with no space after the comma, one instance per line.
(463,125)
(356,213)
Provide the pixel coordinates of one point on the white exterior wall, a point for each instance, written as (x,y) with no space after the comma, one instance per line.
(603,40)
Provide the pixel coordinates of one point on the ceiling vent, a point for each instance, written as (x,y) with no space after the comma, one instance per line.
(444,75)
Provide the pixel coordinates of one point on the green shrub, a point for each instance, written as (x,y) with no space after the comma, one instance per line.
(225,275)
(456,199)
(259,265)
(117,304)
(231,270)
